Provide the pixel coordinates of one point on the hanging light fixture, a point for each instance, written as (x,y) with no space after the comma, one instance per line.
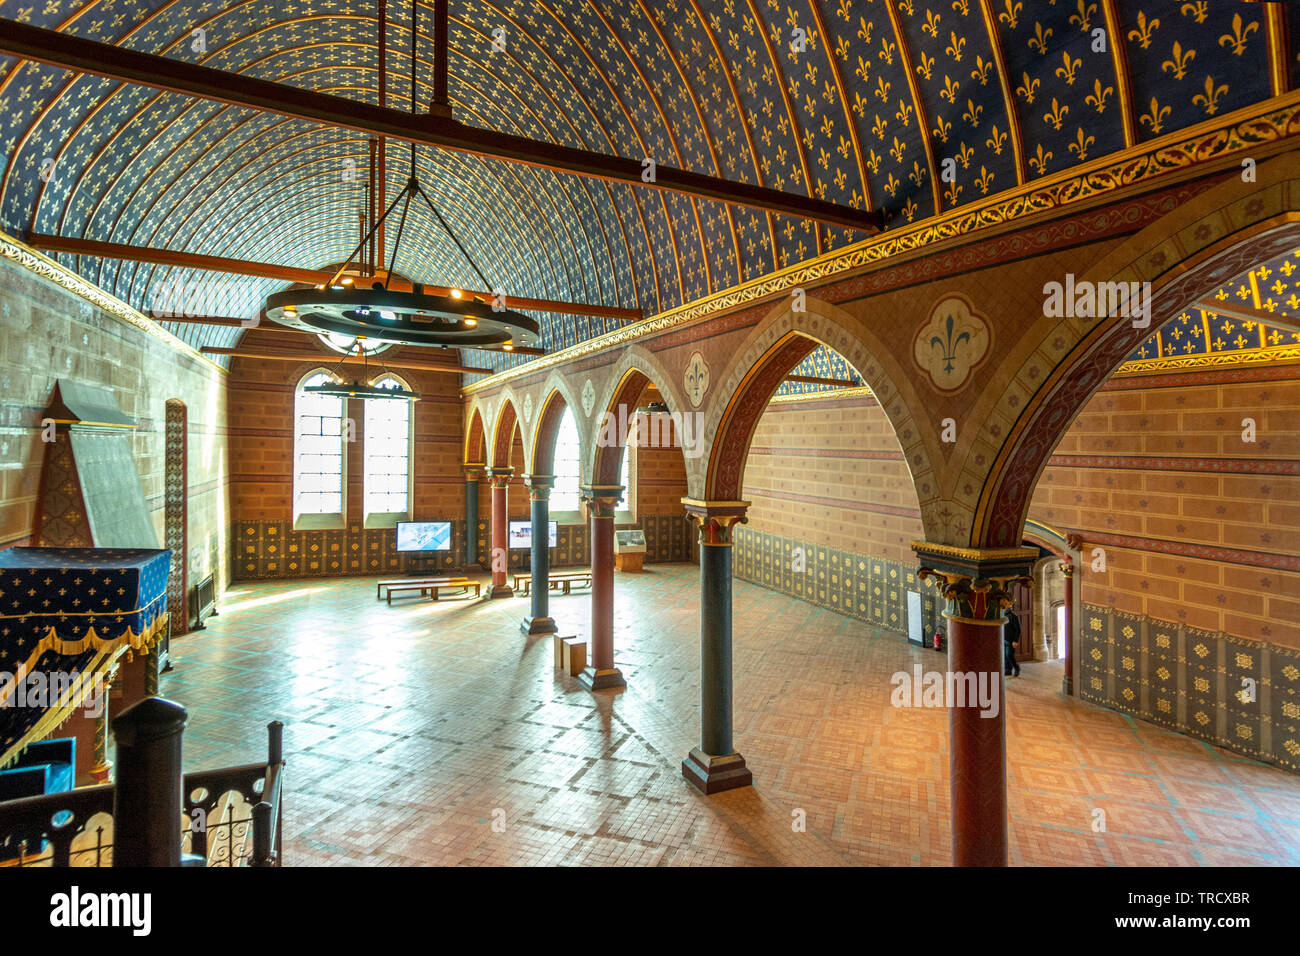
(379,313)
(341,388)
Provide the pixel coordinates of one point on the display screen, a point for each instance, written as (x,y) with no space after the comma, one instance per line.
(521,534)
(424,536)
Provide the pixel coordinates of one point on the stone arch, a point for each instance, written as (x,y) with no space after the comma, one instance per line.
(475,438)
(776,345)
(559,399)
(1184,256)
(637,368)
(503,434)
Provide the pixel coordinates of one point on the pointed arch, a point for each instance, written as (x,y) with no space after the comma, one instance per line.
(475,442)
(503,435)
(1183,256)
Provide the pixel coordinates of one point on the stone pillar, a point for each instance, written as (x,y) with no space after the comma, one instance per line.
(601,502)
(977,586)
(714,765)
(500,478)
(473,475)
(539,497)
(1067,682)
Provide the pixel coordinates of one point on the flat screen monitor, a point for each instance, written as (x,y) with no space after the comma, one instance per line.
(521,534)
(424,536)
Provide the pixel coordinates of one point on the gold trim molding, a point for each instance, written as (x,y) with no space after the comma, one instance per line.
(1272,355)
(1248,128)
(28,258)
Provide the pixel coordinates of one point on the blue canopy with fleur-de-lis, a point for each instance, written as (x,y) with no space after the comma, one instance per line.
(73,610)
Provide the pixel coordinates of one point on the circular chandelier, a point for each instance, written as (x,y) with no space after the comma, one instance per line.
(410,318)
(382,314)
(341,388)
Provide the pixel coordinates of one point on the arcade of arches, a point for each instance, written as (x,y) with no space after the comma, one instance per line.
(1073,405)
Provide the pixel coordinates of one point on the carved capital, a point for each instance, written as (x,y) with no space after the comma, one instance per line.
(1067,568)
(500,477)
(602,500)
(475,472)
(979,600)
(716,519)
(539,487)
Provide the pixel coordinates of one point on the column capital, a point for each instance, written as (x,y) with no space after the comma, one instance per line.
(1067,568)
(716,518)
(602,500)
(500,477)
(539,487)
(474,471)
(975,582)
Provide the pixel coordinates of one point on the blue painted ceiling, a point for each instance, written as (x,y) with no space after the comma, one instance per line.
(864,115)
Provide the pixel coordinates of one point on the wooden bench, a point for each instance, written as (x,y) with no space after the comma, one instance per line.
(430,586)
(558,581)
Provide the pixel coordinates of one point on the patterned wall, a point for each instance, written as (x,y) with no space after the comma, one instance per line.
(1238,695)
(870,589)
(271,549)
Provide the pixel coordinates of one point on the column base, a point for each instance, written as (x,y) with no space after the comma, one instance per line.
(710,774)
(500,591)
(601,679)
(538,625)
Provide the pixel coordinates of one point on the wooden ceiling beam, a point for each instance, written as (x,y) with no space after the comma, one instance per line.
(1246,313)
(429,129)
(377,362)
(267,270)
(814,380)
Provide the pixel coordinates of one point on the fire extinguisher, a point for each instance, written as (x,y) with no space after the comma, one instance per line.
(938,641)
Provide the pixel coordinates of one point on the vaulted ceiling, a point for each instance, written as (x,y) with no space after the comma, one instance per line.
(867,111)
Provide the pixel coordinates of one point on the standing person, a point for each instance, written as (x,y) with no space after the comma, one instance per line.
(1010,638)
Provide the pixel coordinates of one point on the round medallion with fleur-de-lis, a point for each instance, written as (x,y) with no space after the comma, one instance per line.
(588,397)
(952,343)
(696,379)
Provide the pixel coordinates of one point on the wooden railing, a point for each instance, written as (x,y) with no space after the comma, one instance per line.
(152,815)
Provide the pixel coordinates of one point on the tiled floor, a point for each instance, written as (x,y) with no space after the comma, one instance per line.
(439,734)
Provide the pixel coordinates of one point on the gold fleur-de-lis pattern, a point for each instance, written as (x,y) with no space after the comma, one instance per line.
(865,103)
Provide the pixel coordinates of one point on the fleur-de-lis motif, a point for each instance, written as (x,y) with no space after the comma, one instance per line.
(882,89)
(1097,99)
(1084,17)
(1057,114)
(1237,38)
(891,185)
(904,114)
(955,46)
(887,52)
(897,150)
(981,71)
(1040,161)
(1178,64)
(1081,144)
(972,114)
(843,11)
(949,91)
(964,156)
(864,69)
(931,25)
(880,127)
(864,30)
(961,6)
(1210,98)
(1011,14)
(859,104)
(1197,11)
(1028,88)
(948,348)
(1144,30)
(1156,118)
(906,7)
(996,141)
(951,193)
(1069,68)
(873,162)
(942,130)
(910,208)
(1039,40)
(917,174)
(983,181)
(924,67)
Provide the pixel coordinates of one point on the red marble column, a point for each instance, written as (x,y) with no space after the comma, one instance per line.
(976,585)
(601,502)
(977,747)
(1067,682)
(500,478)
